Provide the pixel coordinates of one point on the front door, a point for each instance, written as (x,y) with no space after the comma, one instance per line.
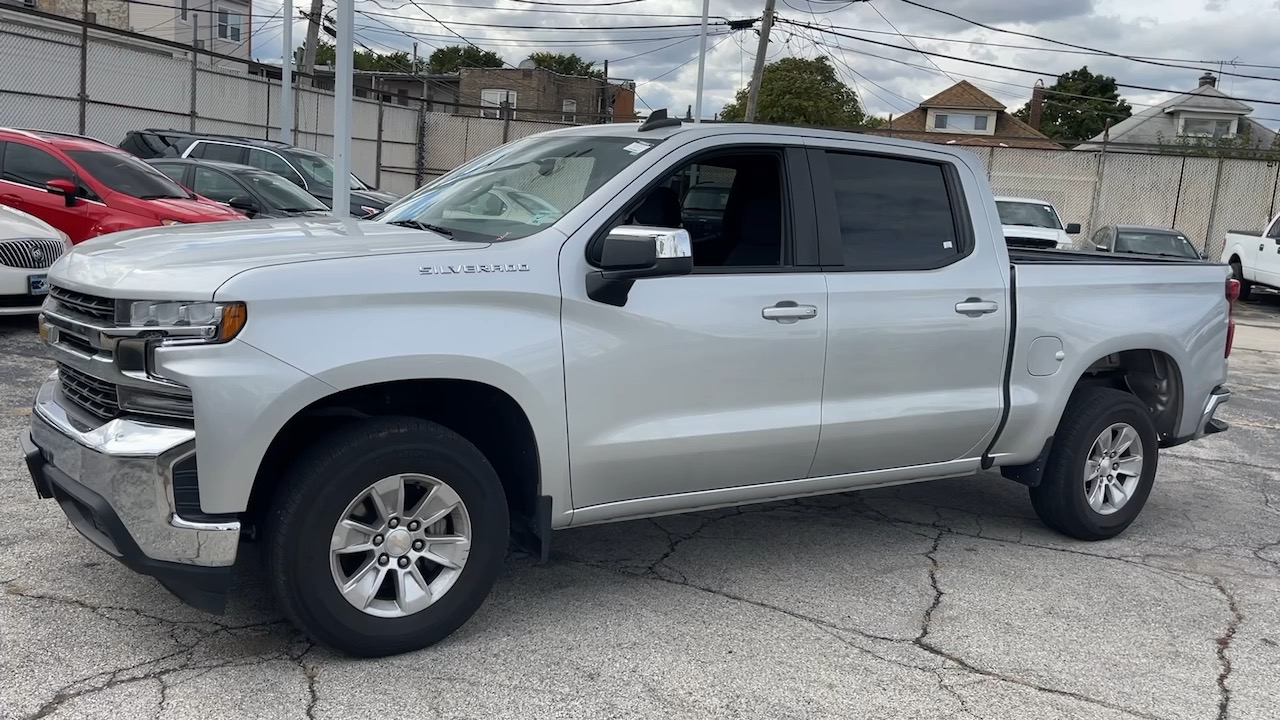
(711,380)
(918,317)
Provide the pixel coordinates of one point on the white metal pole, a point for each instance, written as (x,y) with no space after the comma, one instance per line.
(286,76)
(343,72)
(702,61)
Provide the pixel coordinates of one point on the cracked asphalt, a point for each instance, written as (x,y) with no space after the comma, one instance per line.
(938,600)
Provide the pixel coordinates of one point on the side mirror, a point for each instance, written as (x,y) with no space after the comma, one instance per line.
(1073,228)
(245,204)
(66,188)
(632,252)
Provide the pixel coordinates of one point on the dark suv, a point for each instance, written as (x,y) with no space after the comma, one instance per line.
(310,170)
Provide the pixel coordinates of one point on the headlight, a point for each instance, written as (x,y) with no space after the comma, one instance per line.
(219,321)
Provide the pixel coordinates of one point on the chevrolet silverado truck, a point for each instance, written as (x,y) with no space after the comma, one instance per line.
(1254,257)
(387,404)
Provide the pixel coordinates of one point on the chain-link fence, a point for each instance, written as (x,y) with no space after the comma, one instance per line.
(126,83)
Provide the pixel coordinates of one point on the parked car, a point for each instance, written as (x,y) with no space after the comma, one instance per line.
(308,169)
(256,193)
(1254,257)
(1140,240)
(1031,223)
(28,246)
(87,188)
(387,408)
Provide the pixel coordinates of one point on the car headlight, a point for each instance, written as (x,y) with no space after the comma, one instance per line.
(213,322)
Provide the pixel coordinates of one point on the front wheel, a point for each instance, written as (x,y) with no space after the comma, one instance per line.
(1101,467)
(387,536)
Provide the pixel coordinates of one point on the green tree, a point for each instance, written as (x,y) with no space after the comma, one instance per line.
(450,59)
(566,64)
(1078,105)
(368,60)
(803,92)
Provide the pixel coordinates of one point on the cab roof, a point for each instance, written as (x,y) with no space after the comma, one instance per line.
(60,140)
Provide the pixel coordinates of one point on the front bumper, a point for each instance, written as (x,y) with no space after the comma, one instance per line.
(114,481)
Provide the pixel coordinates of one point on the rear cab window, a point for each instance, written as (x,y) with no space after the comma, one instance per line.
(218,151)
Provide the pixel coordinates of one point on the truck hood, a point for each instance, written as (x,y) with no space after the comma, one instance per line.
(191,261)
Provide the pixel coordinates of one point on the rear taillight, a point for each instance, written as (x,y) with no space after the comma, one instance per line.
(1233,294)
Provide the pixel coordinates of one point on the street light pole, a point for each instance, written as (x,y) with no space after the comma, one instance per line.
(286,76)
(345,19)
(702,61)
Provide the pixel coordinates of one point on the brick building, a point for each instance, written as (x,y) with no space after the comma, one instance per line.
(540,94)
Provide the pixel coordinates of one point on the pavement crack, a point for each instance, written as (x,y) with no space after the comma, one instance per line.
(312,672)
(926,621)
(1224,644)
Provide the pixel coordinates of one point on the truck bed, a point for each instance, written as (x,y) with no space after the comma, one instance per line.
(1027,256)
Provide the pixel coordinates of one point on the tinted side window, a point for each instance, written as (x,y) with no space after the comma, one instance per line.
(31,166)
(895,214)
(271,162)
(225,153)
(1102,239)
(175,172)
(216,186)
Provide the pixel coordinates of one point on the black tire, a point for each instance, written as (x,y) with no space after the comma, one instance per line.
(1246,287)
(319,486)
(1059,500)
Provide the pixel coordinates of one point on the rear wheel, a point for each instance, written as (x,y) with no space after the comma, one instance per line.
(387,536)
(1101,468)
(1246,287)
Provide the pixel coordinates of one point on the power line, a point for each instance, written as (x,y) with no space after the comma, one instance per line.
(909,42)
(1108,53)
(686,62)
(999,66)
(540,10)
(910,104)
(567,28)
(500,41)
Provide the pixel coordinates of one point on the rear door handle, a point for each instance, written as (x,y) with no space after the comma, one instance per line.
(788,311)
(976,307)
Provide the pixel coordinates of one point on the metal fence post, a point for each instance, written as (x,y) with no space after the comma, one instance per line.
(195,61)
(1213,205)
(420,162)
(506,120)
(1097,191)
(377,168)
(84,66)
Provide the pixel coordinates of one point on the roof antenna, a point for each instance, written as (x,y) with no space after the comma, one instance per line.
(658,119)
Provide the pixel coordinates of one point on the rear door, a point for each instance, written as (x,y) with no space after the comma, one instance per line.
(24,170)
(918,310)
(1269,256)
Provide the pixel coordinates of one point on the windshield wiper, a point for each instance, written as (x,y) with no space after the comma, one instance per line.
(164,196)
(419,225)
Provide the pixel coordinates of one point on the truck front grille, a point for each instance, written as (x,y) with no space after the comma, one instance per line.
(99,308)
(1032,243)
(30,253)
(97,397)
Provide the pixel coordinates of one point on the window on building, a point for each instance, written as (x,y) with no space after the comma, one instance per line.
(229,25)
(569,110)
(491,102)
(183,10)
(960,122)
(1207,127)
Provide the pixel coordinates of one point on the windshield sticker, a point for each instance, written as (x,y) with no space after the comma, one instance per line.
(637,147)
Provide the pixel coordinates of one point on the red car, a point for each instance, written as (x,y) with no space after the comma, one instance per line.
(87,188)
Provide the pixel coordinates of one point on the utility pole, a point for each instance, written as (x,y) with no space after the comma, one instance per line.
(286,76)
(757,72)
(702,60)
(313,37)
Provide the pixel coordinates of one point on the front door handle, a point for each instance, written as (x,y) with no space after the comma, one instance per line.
(976,307)
(9,199)
(788,311)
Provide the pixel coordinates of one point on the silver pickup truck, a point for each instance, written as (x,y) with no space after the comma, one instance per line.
(549,337)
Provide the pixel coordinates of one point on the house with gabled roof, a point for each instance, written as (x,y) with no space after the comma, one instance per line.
(1205,117)
(964,115)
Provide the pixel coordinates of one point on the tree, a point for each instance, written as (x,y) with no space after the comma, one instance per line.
(1078,105)
(566,64)
(450,59)
(369,60)
(802,92)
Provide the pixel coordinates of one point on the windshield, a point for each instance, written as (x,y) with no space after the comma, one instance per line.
(127,174)
(1028,214)
(1155,243)
(281,193)
(518,189)
(319,169)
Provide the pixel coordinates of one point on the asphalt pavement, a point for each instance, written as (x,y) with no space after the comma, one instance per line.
(937,600)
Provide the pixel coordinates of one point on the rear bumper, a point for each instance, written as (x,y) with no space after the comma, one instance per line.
(115,485)
(1208,424)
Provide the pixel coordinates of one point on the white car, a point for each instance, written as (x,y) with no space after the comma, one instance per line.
(1031,223)
(28,246)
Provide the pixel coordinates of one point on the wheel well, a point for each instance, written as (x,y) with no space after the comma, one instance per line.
(1235,260)
(486,416)
(1150,375)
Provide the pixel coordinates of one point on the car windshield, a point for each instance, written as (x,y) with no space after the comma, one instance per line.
(127,174)
(517,189)
(282,194)
(707,198)
(1152,242)
(319,169)
(1028,214)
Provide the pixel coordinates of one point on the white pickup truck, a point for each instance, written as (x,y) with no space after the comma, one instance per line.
(1254,257)
(386,403)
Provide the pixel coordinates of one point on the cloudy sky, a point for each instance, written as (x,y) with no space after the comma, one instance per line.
(1201,34)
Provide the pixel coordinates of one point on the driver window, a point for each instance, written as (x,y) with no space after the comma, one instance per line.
(1275,229)
(731,205)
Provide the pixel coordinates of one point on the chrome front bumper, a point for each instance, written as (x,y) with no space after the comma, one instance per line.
(115,483)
